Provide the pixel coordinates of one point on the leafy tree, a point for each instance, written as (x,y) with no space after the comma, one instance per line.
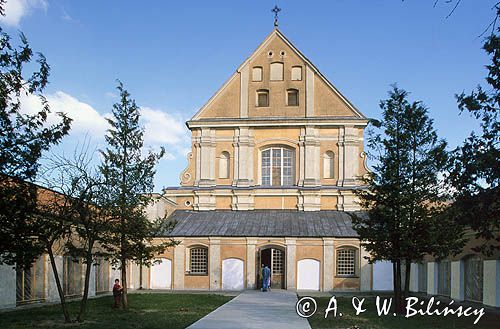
(129,176)
(23,139)
(475,172)
(405,198)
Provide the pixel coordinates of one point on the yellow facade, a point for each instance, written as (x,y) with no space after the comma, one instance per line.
(299,148)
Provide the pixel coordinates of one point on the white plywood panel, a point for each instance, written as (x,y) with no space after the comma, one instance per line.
(233,274)
(161,274)
(308,274)
(382,276)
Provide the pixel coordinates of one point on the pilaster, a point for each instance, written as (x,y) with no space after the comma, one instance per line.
(328,269)
(366,271)
(215,264)
(206,160)
(291,264)
(309,91)
(250,263)
(311,157)
(179,266)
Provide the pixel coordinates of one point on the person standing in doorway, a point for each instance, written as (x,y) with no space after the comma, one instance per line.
(266,276)
(117,294)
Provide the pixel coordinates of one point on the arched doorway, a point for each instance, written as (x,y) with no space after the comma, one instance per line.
(275,258)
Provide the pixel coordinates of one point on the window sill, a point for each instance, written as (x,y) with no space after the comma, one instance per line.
(196,274)
(347,276)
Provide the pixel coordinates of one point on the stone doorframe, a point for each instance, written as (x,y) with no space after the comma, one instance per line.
(258,251)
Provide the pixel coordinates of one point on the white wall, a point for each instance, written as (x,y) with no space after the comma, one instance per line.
(7,286)
(382,276)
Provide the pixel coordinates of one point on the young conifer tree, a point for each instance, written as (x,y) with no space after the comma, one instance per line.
(405,197)
(128,176)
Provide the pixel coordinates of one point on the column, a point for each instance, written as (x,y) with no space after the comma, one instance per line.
(457,280)
(328,270)
(251,263)
(179,266)
(290,264)
(432,278)
(366,271)
(491,282)
(214,264)
(7,286)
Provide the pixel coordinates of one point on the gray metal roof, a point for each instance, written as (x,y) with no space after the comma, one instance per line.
(262,223)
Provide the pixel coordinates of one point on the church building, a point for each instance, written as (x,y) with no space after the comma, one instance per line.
(277,154)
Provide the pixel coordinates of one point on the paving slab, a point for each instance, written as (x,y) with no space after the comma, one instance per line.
(255,309)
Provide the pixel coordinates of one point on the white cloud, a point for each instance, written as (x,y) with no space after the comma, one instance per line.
(161,128)
(17,9)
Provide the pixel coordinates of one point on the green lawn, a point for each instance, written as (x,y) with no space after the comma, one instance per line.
(146,311)
(370,319)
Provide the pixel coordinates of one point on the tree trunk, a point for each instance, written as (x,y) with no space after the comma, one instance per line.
(67,318)
(398,304)
(124,283)
(83,302)
(407,278)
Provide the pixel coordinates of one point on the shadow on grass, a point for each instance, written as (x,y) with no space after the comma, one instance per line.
(145,311)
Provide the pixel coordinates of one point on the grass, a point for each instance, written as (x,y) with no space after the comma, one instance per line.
(370,319)
(146,311)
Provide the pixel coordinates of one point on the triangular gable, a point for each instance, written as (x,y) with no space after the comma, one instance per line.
(229,85)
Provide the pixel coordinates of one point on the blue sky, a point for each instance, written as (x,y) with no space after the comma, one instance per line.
(173,55)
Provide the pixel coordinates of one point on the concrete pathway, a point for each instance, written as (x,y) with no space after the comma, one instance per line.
(255,309)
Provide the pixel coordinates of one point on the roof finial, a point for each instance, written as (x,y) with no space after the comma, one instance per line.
(276,10)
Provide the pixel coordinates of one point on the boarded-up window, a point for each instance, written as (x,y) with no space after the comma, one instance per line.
(292,97)
(224,165)
(328,160)
(473,278)
(296,73)
(72,276)
(30,283)
(276,71)
(102,275)
(262,98)
(422,277)
(257,73)
(444,278)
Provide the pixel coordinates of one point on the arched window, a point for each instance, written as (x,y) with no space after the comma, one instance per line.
(347,262)
(257,73)
(72,276)
(276,72)
(224,165)
(278,166)
(296,73)
(328,161)
(292,97)
(262,98)
(198,260)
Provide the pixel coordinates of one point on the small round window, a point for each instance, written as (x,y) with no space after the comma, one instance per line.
(187,203)
(270,54)
(282,53)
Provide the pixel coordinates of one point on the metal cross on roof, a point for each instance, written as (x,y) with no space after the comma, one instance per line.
(276,10)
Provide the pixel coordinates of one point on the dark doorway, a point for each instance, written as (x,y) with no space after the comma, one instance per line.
(274,258)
